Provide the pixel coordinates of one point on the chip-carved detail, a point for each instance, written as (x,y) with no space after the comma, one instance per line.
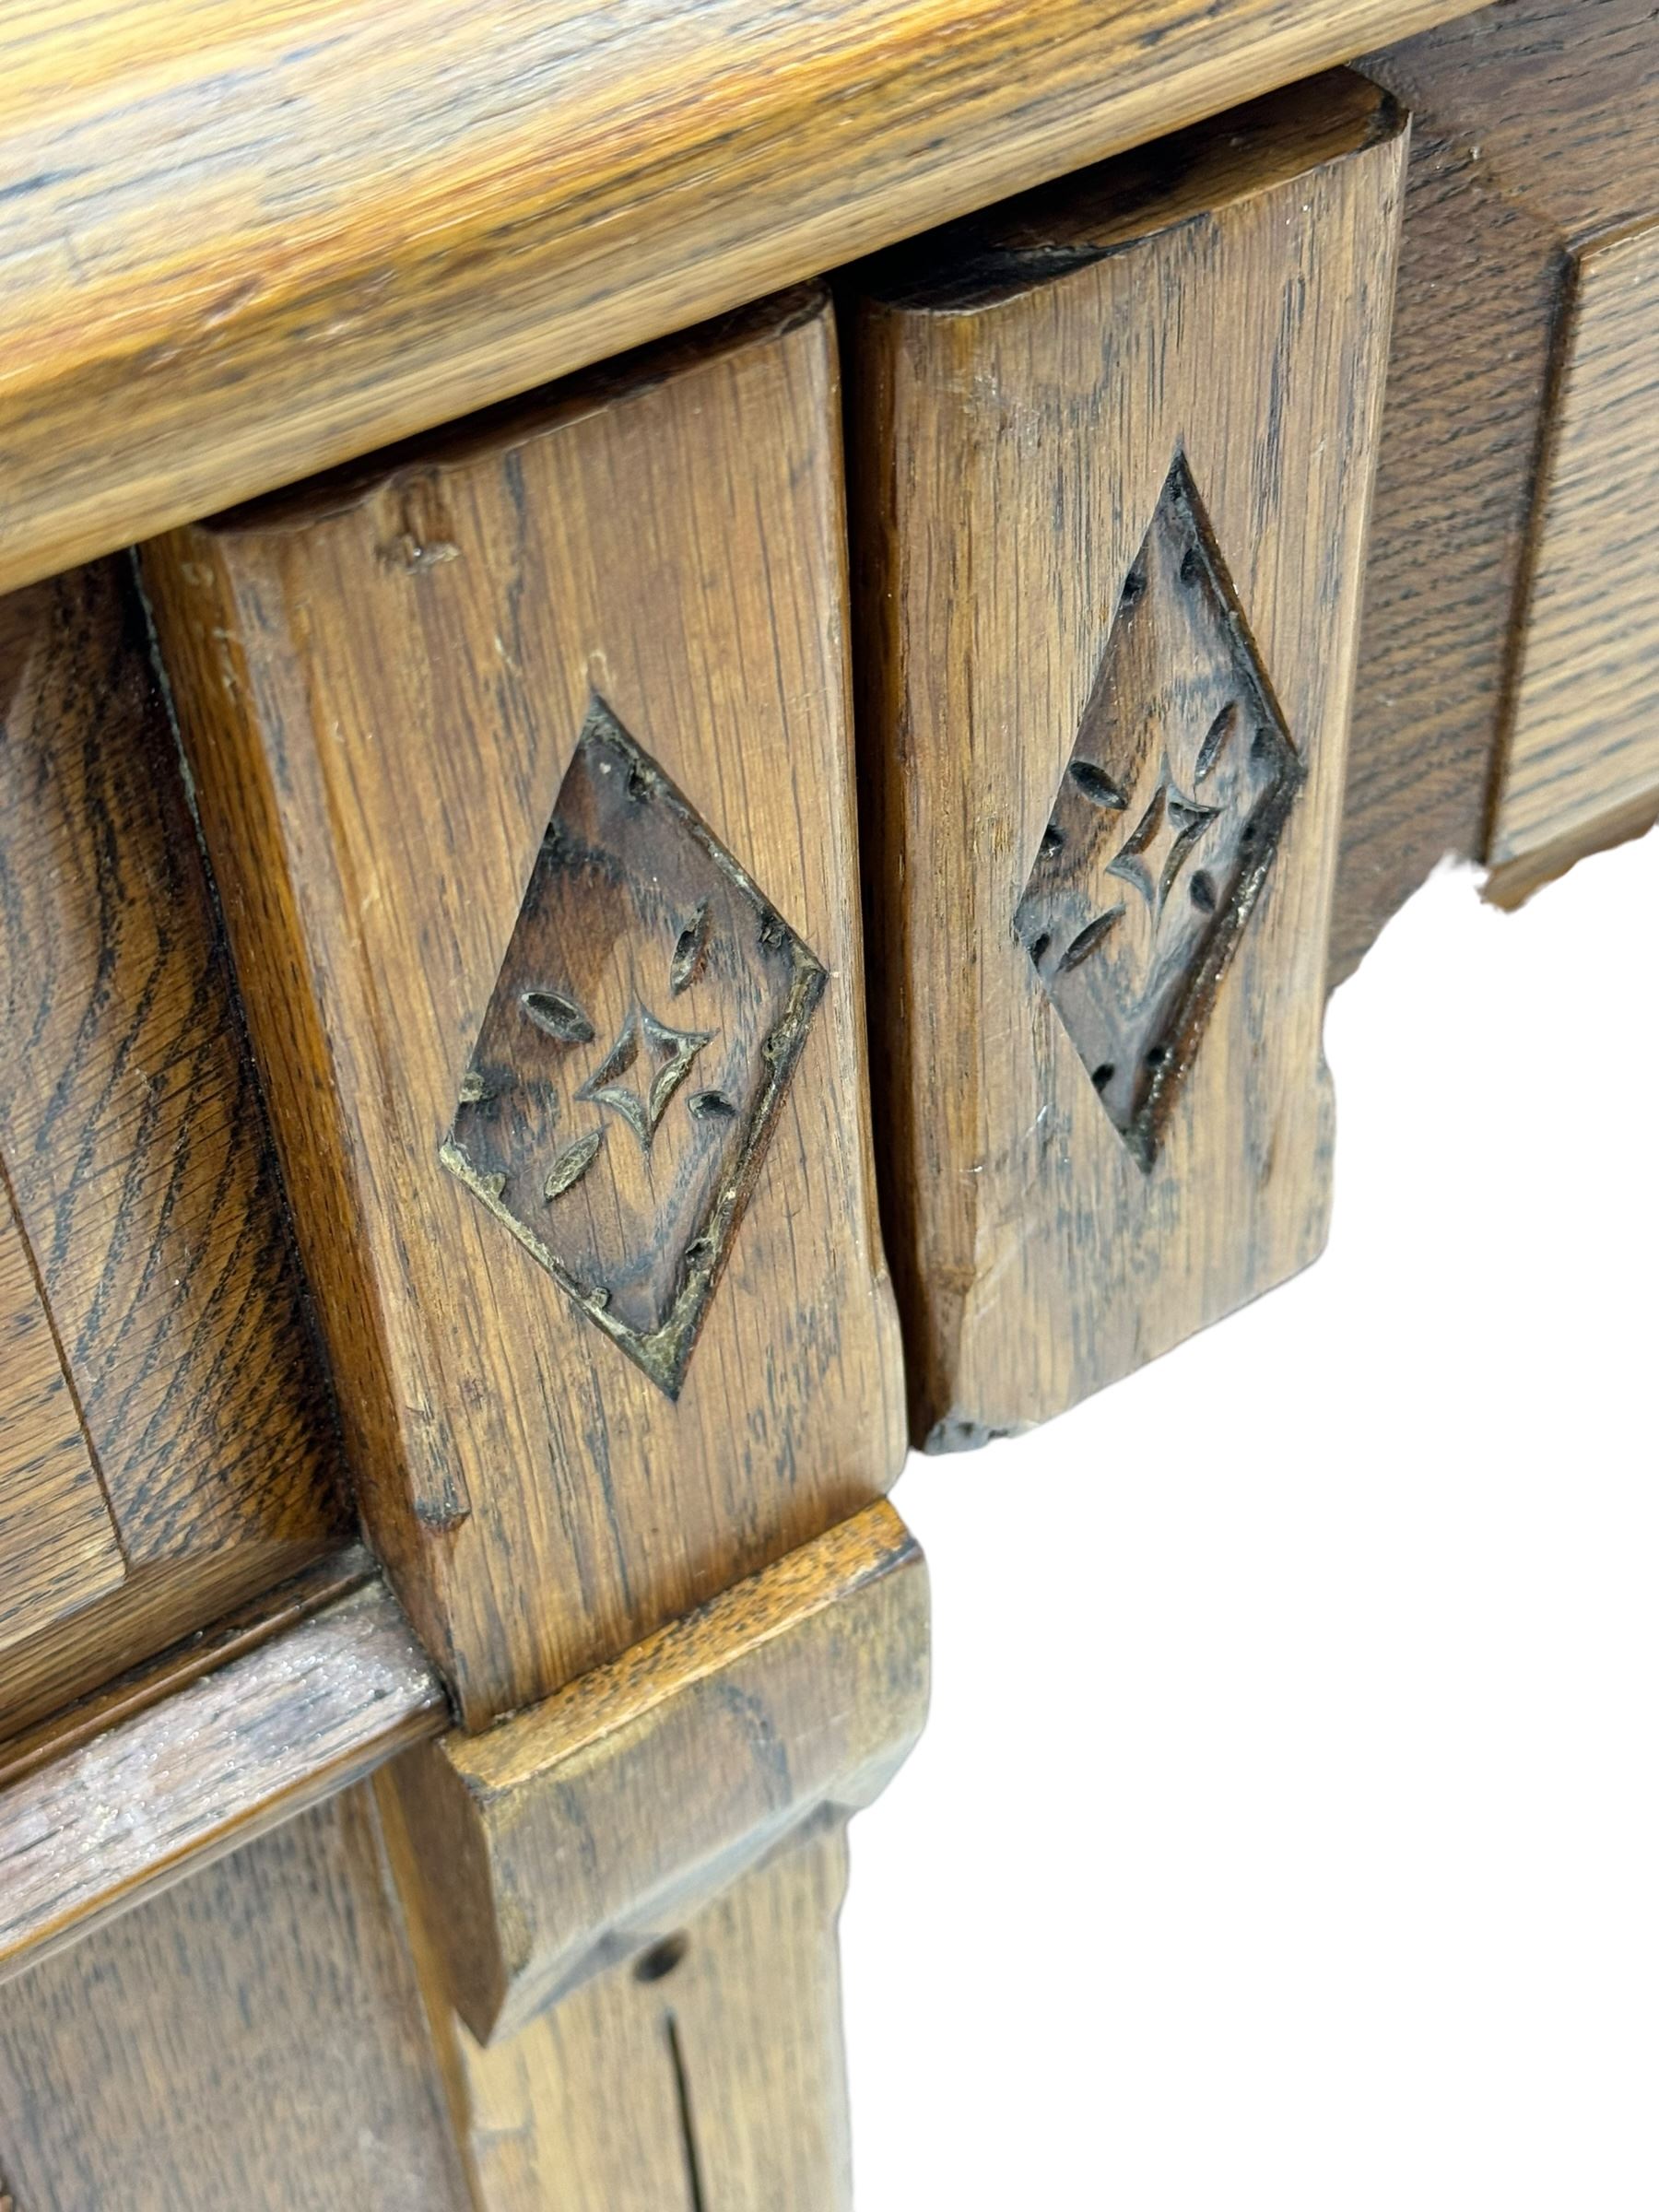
(648,1016)
(1165,825)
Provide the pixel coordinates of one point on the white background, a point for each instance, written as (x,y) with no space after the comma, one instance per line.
(1286,1829)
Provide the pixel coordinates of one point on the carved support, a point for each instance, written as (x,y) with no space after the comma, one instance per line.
(524,762)
(586,1830)
(1113,455)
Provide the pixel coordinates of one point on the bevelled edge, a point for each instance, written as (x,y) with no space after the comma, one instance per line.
(576,1834)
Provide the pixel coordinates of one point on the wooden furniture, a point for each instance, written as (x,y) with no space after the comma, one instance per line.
(449,1173)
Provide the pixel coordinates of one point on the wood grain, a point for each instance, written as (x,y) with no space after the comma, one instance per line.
(1077,419)
(1583,724)
(228,1753)
(586,1829)
(252,2041)
(383,682)
(132,1142)
(58,1546)
(1534,128)
(708,2073)
(238,244)
(154,1678)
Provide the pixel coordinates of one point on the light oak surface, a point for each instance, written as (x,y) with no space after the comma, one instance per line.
(1113,457)
(201,1771)
(134,1147)
(582,1831)
(238,244)
(448,936)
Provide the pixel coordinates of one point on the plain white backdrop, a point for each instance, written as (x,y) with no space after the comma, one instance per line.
(1285,1833)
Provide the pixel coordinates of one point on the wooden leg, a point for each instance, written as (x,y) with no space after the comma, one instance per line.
(707,2073)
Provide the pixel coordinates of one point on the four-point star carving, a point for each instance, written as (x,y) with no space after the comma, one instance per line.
(1155,851)
(1182,738)
(668,1055)
(632,904)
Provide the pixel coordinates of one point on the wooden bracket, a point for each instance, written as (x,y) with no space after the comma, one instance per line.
(587,1829)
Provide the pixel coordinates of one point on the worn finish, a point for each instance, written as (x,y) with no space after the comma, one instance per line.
(618,1146)
(708,2073)
(1164,827)
(252,2041)
(1583,727)
(200,1771)
(1027,384)
(382,684)
(242,243)
(134,1147)
(586,1829)
(1535,131)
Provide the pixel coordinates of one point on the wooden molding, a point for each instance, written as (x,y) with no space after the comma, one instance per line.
(580,1832)
(244,242)
(115,1816)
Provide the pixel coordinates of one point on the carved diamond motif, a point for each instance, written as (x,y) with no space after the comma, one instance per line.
(1166,822)
(649,1014)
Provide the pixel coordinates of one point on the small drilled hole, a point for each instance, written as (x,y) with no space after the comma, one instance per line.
(1040,946)
(1052,842)
(661,1960)
(1102,1075)
(1156,1055)
(1135,587)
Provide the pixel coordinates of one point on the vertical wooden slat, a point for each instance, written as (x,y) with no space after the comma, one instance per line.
(524,762)
(1114,450)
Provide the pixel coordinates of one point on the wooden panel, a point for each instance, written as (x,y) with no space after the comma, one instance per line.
(576,1357)
(585,1828)
(133,1140)
(198,1772)
(58,1547)
(1583,738)
(1114,454)
(252,2038)
(217,278)
(1534,126)
(709,2073)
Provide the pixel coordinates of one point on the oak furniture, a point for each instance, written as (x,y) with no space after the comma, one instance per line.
(694,703)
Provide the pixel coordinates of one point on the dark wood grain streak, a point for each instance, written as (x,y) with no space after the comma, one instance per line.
(136,1150)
